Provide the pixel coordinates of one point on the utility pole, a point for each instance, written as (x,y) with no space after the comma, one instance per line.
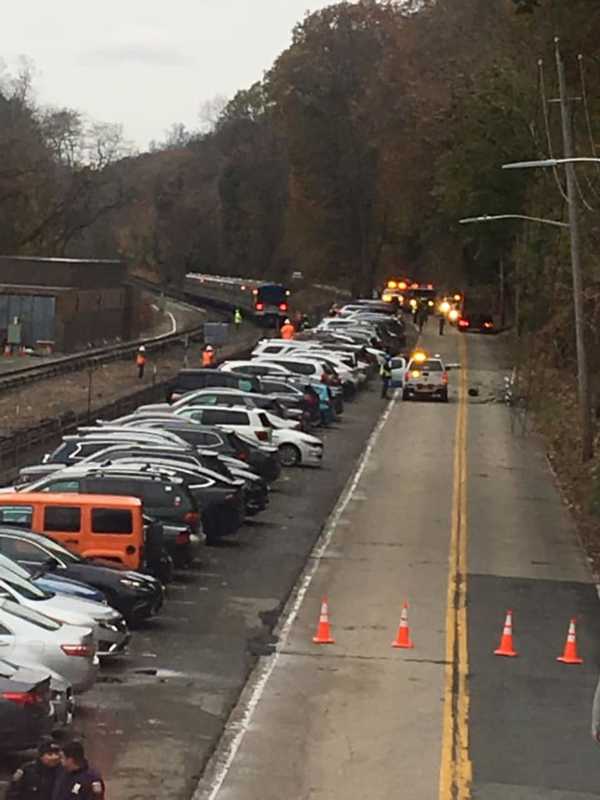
(587,434)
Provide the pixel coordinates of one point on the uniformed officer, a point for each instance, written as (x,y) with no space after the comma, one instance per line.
(35,780)
(237,318)
(385,373)
(77,779)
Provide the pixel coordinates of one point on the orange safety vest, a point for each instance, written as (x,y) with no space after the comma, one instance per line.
(140,359)
(208,358)
(287,331)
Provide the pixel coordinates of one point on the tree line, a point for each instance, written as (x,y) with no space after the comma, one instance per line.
(372,134)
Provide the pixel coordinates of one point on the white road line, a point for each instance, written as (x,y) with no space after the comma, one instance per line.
(265,670)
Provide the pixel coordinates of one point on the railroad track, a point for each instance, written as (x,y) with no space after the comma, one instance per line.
(90,359)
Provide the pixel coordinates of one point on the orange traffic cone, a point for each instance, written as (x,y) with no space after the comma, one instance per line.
(570,655)
(403,636)
(506,642)
(323,634)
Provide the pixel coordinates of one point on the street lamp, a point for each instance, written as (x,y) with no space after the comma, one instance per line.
(492,217)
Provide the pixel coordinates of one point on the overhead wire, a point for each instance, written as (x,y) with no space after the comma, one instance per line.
(547,129)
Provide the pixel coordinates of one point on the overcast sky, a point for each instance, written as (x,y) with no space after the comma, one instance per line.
(146,63)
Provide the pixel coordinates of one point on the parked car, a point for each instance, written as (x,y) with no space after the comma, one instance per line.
(235,418)
(110,629)
(189,380)
(26,636)
(133,594)
(164,500)
(26,709)
(55,584)
(95,526)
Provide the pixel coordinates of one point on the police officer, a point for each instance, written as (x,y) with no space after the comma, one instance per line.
(77,779)
(442,322)
(385,372)
(237,318)
(35,780)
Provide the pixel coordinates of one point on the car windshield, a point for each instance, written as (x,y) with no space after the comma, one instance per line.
(428,366)
(56,551)
(24,588)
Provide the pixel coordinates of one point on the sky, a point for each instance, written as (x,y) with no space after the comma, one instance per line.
(146,63)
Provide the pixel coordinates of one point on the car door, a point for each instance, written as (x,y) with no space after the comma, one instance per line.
(398,367)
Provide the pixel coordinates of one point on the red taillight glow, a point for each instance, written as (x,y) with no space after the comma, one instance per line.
(283,306)
(463,323)
(23,698)
(182,538)
(444,377)
(260,306)
(81,650)
(488,324)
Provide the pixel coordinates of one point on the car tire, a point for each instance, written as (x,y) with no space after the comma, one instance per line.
(405,395)
(289,455)
(444,396)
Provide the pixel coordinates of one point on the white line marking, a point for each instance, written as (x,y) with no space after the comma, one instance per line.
(265,670)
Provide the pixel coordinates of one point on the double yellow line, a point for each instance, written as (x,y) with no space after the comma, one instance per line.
(456,771)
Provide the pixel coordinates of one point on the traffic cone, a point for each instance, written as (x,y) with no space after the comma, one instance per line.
(403,636)
(570,655)
(323,634)
(506,642)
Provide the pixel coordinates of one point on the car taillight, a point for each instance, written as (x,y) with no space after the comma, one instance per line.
(191,518)
(81,650)
(183,537)
(283,306)
(262,435)
(463,323)
(260,306)
(444,377)
(23,698)
(242,456)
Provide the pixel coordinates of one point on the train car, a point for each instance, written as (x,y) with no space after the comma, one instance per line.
(271,301)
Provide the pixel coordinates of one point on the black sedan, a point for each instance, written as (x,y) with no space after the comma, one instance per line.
(135,595)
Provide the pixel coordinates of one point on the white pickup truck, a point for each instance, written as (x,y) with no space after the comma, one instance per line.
(426,378)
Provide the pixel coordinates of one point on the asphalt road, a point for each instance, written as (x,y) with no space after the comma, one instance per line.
(459,516)
(156,715)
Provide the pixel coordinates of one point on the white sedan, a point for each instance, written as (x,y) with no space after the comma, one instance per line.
(295,447)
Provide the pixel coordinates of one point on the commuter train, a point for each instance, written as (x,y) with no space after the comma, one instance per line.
(264,301)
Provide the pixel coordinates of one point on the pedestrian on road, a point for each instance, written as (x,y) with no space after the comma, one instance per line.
(140,361)
(77,779)
(287,330)
(36,780)
(442,322)
(237,319)
(208,356)
(385,372)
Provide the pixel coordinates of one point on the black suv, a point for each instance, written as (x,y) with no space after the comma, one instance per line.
(167,500)
(188,380)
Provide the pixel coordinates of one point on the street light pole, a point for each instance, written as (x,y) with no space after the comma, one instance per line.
(587,436)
